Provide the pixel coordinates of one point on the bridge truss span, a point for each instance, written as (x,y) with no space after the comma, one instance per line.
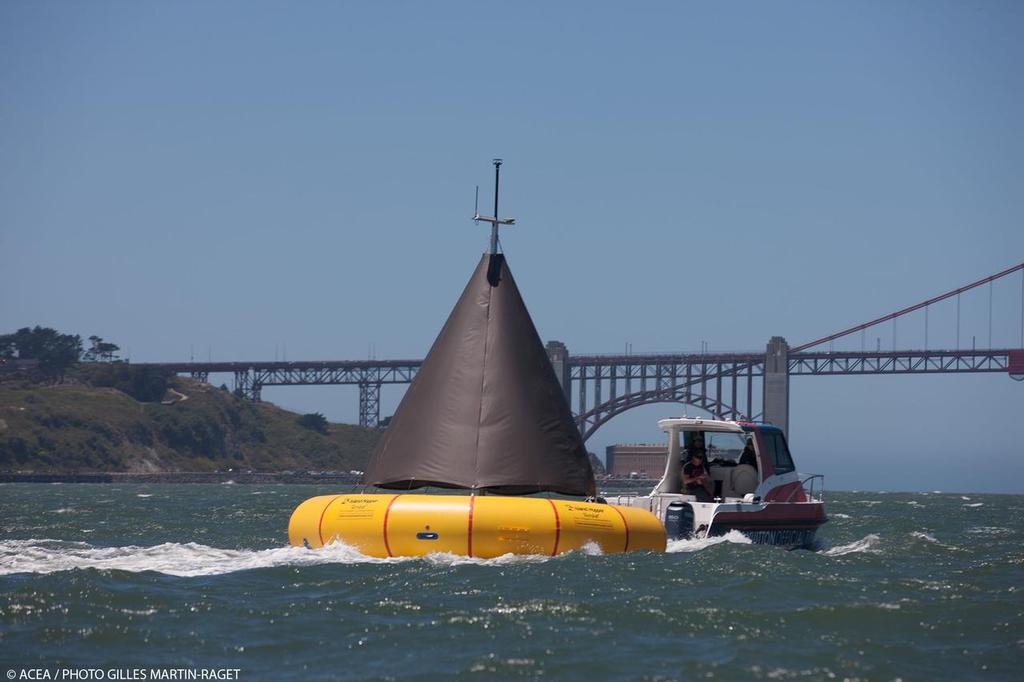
(368,376)
(300,374)
(905,362)
(251,377)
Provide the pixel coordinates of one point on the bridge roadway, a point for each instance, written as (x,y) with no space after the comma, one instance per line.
(745,385)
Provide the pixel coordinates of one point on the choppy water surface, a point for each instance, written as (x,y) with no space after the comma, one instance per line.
(911,586)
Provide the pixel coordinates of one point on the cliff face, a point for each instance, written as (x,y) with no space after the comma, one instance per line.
(197,427)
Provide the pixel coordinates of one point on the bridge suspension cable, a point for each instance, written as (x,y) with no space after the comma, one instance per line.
(918,306)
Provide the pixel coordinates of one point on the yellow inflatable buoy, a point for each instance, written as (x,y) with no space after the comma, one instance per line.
(470,525)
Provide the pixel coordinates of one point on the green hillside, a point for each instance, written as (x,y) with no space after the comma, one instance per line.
(80,427)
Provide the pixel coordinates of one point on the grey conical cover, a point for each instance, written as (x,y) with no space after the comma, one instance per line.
(485,411)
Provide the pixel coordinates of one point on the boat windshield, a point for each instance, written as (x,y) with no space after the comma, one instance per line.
(724,447)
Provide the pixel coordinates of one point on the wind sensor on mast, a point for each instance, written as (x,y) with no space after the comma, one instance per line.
(494,220)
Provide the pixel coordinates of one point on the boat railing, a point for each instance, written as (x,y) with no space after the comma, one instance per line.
(813,484)
(618,496)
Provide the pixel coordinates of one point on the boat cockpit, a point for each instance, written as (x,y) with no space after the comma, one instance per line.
(730,457)
(744,480)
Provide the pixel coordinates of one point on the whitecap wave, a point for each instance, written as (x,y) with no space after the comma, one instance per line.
(975,504)
(192,559)
(697,544)
(928,537)
(837,515)
(989,530)
(865,544)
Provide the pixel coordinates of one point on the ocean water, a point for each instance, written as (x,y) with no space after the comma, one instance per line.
(115,579)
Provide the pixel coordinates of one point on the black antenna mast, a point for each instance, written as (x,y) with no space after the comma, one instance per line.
(494,220)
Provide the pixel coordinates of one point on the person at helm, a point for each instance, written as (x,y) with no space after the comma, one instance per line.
(749,456)
(696,480)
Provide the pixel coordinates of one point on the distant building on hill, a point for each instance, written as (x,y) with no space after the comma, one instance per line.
(642,460)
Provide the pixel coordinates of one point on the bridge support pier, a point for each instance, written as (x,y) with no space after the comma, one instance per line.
(775,404)
(559,356)
(369,404)
(246,385)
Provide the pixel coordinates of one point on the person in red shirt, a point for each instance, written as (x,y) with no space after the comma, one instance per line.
(695,477)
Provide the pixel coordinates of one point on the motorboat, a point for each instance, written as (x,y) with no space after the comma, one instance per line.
(750,485)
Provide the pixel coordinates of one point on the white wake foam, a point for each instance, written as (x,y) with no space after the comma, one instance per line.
(172,558)
(191,559)
(448,559)
(695,545)
(865,544)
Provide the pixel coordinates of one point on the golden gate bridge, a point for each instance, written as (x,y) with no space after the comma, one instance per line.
(752,385)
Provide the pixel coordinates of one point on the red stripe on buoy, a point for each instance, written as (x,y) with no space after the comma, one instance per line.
(320,526)
(387,547)
(623,517)
(469,541)
(558,527)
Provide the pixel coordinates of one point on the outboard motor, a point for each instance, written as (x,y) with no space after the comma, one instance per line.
(679,521)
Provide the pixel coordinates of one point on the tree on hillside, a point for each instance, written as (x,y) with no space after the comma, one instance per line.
(313,421)
(145,384)
(55,352)
(100,350)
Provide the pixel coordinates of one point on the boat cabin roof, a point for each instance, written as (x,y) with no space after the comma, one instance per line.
(699,424)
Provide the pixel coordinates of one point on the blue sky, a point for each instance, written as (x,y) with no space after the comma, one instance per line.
(238,180)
